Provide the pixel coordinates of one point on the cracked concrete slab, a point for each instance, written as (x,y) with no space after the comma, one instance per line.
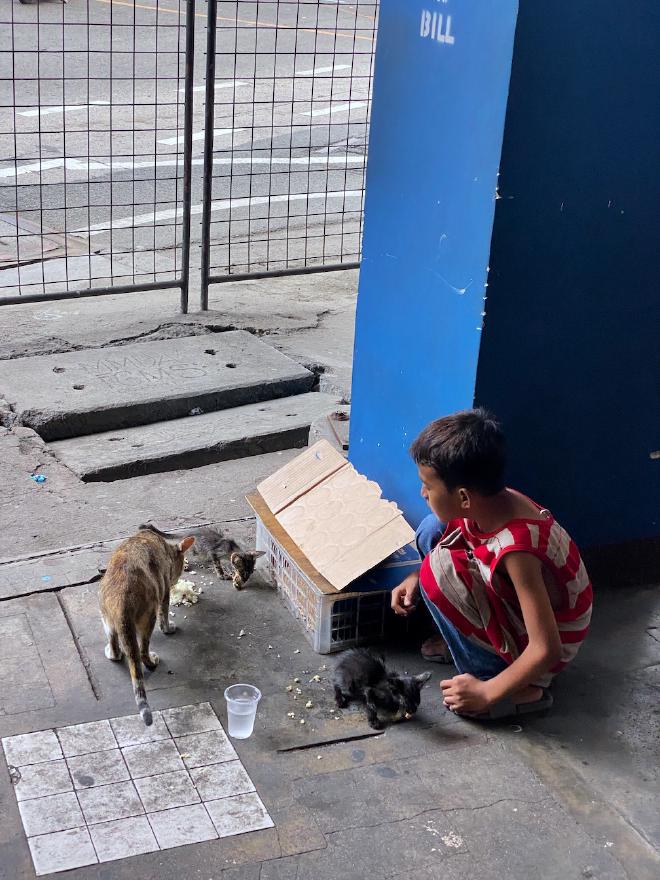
(262,306)
(239,432)
(64,512)
(93,390)
(49,573)
(41,665)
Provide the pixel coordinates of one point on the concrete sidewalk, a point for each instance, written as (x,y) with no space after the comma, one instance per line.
(570,795)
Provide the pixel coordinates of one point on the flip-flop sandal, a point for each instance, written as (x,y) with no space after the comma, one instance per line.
(437,656)
(509,709)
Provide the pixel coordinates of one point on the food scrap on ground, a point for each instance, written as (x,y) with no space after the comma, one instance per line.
(184,593)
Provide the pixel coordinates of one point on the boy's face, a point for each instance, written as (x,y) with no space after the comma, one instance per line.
(445,505)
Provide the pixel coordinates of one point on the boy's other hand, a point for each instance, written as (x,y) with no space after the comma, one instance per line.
(465,694)
(404,597)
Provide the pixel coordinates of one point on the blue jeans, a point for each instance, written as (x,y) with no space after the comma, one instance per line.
(467,656)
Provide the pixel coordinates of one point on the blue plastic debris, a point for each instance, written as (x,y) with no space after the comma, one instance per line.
(45,578)
(38,478)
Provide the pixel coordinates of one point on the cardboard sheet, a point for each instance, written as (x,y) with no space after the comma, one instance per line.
(334,514)
(300,475)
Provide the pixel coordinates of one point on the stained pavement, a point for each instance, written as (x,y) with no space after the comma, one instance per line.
(573,794)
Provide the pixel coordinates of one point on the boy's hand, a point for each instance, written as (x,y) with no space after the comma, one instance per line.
(404,597)
(465,694)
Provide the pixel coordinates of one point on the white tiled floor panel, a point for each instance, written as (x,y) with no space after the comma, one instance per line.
(112,789)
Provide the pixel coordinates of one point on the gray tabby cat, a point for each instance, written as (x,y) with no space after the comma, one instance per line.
(211,546)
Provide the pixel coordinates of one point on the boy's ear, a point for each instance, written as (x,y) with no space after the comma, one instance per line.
(464,498)
(186,544)
(422,678)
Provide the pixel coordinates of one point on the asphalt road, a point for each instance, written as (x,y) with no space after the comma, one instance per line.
(91,137)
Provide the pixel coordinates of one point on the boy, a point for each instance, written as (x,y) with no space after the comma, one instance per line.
(504,583)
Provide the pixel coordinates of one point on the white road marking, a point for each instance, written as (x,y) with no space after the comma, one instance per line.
(239,82)
(61,108)
(87,166)
(35,167)
(199,135)
(219,85)
(337,108)
(176,214)
(322,70)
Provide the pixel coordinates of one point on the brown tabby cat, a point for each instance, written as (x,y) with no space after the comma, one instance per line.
(134,593)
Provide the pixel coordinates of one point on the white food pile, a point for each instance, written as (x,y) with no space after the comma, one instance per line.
(184,593)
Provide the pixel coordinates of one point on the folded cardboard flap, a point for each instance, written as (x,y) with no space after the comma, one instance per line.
(289,546)
(334,515)
(300,475)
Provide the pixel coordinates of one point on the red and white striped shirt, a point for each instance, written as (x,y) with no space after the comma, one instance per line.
(462,577)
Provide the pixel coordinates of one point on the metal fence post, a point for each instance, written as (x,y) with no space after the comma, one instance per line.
(187,153)
(209,119)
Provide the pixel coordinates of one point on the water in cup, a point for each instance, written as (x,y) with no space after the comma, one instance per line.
(242,700)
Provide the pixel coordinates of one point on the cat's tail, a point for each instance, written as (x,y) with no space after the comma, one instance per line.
(132,651)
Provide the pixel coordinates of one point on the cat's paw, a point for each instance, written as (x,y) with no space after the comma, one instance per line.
(375,723)
(152,661)
(341,699)
(168,628)
(110,654)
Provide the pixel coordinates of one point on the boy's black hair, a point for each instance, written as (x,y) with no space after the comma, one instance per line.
(464,449)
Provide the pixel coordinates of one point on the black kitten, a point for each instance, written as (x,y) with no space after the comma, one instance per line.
(212,546)
(388,696)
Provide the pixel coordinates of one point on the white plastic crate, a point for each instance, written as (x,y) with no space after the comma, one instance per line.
(330,622)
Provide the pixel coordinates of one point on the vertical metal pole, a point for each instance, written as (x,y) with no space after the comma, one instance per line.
(209,120)
(187,153)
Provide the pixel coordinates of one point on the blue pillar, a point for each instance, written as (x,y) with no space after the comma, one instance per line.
(567,351)
(440,91)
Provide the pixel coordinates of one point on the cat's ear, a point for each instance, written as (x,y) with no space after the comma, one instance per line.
(255,554)
(421,679)
(186,544)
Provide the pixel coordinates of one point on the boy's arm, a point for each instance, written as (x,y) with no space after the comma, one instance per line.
(465,693)
(544,648)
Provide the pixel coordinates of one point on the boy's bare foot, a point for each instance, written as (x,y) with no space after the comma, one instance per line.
(435,650)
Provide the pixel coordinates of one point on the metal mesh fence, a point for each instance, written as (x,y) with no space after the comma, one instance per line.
(91,145)
(113,135)
(288,95)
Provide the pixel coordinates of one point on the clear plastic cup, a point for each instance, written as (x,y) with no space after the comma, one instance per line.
(242,700)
